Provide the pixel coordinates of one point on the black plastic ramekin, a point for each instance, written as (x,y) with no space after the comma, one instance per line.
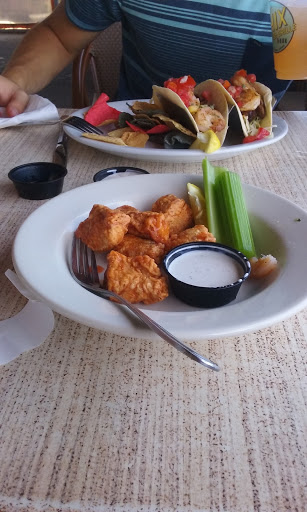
(38,180)
(206,296)
(104,173)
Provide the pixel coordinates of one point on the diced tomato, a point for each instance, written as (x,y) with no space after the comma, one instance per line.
(171,85)
(183,86)
(232,90)
(261,134)
(238,91)
(206,95)
(241,72)
(251,78)
(221,81)
(185,82)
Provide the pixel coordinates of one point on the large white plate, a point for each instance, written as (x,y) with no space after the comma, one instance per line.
(231,147)
(43,242)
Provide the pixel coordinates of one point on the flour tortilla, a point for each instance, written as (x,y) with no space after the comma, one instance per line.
(266,95)
(174,107)
(218,100)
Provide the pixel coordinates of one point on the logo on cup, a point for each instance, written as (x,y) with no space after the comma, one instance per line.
(283,26)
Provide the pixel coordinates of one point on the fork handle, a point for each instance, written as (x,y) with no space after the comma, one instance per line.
(163,333)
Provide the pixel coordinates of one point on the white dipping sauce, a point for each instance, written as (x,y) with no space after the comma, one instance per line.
(206,268)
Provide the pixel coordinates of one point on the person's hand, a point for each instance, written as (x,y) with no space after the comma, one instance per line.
(12,97)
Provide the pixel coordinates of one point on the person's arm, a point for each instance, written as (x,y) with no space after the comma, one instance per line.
(42,54)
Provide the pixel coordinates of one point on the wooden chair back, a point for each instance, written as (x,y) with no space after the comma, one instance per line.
(96,69)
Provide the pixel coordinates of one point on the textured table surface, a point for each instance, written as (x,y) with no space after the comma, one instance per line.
(93,422)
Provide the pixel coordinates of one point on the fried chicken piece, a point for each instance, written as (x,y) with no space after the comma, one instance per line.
(151,225)
(148,225)
(177,212)
(126,208)
(135,246)
(198,233)
(104,228)
(136,279)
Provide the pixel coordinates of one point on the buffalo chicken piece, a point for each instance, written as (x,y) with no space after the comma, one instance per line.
(134,246)
(103,229)
(151,225)
(198,233)
(177,212)
(136,279)
(126,208)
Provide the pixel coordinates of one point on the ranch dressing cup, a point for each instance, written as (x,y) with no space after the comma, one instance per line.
(289,31)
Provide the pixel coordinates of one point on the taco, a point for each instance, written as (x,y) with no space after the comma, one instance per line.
(198,113)
(252,101)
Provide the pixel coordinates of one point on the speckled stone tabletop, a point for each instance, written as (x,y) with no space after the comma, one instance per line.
(95,422)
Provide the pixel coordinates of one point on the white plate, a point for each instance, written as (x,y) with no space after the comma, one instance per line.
(152,152)
(43,242)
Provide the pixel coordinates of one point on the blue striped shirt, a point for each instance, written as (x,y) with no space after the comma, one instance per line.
(163,39)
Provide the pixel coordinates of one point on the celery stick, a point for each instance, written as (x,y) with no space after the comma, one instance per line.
(226,209)
(210,174)
(236,226)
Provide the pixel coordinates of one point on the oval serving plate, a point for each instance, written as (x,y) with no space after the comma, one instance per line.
(231,147)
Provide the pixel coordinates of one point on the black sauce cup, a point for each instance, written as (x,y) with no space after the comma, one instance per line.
(105,173)
(202,296)
(38,180)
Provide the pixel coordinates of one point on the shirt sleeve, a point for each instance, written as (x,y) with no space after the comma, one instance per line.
(94,15)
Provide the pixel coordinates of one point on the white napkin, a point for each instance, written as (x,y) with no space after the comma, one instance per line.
(26,330)
(39,110)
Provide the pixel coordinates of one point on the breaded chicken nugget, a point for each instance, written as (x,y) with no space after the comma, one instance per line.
(177,212)
(126,208)
(198,233)
(152,225)
(136,279)
(135,246)
(103,229)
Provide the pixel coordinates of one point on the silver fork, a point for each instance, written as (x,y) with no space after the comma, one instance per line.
(82,125)
(83,269)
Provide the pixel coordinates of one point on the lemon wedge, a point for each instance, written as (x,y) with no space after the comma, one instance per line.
(207,142)
(198,204)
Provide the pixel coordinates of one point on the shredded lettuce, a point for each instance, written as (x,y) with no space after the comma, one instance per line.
(252,126)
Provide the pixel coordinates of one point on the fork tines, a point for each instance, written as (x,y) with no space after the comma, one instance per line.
(82,125)
(83,263)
